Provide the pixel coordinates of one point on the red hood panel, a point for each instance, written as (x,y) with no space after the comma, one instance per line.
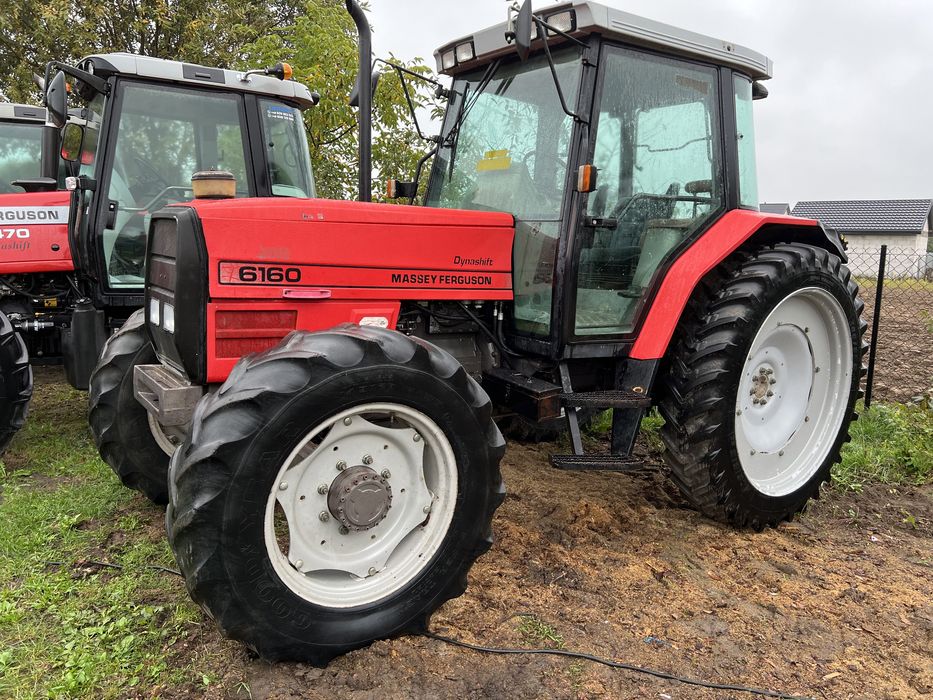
(355,250)
(34,233)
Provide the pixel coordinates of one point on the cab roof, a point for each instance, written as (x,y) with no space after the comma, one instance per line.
(127,64)
(11,112)
(592,17)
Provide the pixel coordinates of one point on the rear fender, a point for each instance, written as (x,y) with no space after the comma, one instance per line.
(732,231)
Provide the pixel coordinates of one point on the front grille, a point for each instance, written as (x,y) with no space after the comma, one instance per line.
(176,290)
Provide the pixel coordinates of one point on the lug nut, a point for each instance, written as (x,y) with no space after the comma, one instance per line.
(806,419)
(367,460)
(324,516)
(756,401)
(283,486)
(816,370)
(341,465)
(322,489)
(347,420)
(416,437)
(772,381)
(764,401)
(770,393)
(343,530)
(781,453)
(372,571)
(299,564)
(753,453)
(426,509)
(739,412)
(386,473)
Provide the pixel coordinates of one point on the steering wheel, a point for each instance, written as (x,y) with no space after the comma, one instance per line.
(154,174)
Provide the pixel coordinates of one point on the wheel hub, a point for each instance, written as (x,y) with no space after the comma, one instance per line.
(359,498)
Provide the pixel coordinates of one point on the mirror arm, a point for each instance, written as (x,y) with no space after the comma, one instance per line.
(560,32)
(424,159)
(98,84)
(550,61)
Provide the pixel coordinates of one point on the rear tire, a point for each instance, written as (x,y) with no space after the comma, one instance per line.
(15,382)
(126,439)
(263,451)
(752,428)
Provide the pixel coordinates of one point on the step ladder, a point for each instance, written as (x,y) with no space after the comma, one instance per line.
(628,407)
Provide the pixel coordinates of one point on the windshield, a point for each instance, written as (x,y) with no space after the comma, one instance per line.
(286,150)
(20,153)
(509,152)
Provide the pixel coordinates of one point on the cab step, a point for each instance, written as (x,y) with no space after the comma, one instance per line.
(597,462)
(605,399)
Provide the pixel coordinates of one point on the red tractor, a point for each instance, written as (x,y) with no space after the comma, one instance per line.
(590,240)
(144,126)
(28,162)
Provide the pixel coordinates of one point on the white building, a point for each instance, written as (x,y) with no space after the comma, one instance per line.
(867,224)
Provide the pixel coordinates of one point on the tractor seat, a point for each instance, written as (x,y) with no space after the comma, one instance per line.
(695,187)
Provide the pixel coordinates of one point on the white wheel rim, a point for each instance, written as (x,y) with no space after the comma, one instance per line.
(329,565)
(168,439)
(794,391)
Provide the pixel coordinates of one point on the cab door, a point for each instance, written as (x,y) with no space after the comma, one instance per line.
(658,150)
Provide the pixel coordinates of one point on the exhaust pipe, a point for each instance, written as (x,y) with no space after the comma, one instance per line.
(364,83)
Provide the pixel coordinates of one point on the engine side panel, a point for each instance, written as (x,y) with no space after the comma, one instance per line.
(721,240)
(313,264)
(34,233)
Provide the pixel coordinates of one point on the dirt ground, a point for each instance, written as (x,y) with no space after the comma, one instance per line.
(904,363)
(838,604)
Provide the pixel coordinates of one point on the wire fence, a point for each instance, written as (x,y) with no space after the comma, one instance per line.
(898,283)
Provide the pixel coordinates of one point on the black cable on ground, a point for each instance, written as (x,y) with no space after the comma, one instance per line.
(616,664)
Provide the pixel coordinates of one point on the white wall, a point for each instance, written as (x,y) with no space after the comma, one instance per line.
(907,255)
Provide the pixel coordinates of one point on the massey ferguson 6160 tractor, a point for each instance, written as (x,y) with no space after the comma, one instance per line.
(147,126)
(590,240)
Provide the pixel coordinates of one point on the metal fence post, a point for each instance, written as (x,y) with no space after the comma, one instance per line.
(879,289)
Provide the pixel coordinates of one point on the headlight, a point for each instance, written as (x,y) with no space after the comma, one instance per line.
(154,312)
(448,59)
(168,317)
(465,52)
(564,21)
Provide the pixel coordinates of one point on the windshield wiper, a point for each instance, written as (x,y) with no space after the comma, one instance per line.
(454,133)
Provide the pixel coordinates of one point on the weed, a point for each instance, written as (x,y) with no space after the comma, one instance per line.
(891,444)
(536,631)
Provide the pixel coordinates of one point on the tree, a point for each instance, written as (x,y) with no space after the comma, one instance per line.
(316,36)
(33,32)
(322,47)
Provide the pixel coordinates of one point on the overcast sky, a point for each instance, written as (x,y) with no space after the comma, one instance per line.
(850,115)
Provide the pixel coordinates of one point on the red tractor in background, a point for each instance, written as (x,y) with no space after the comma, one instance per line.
(28,162)
(144,126)
(590,240)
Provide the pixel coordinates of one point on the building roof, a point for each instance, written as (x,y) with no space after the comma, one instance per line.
(906,216)
(774,207)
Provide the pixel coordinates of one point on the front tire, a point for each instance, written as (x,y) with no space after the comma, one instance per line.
(136,447)
(764,374)
(15,382)
(335,490)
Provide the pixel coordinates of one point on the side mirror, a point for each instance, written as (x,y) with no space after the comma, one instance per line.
(56,101)
(72,142)
(523,30)
(355,95)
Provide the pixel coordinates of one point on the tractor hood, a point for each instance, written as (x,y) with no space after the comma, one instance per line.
(34,233)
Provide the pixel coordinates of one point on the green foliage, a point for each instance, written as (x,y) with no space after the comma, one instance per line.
(891,444)
(33,32)
(321,45)
(317,37)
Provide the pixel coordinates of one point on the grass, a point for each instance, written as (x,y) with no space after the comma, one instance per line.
(891,444)
(536,632)
(70,628)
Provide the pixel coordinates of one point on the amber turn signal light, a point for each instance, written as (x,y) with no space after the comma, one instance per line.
(586,178)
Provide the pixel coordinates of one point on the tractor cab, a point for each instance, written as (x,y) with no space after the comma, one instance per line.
(614,140)
(151,124)
(24,142)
